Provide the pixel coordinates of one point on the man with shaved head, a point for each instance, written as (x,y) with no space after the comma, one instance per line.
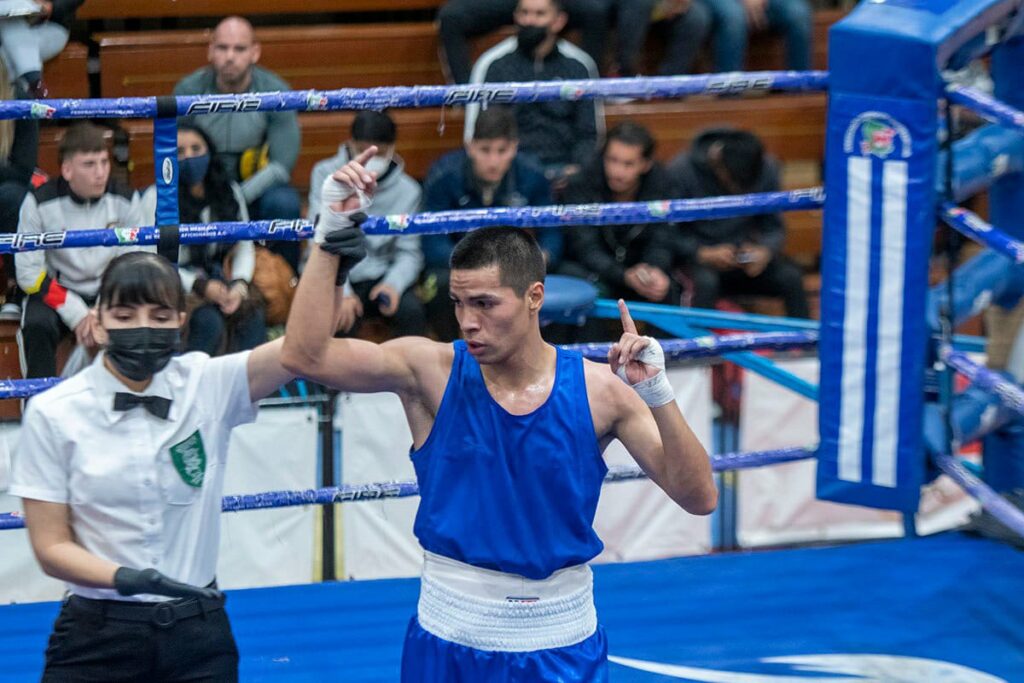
(257,149)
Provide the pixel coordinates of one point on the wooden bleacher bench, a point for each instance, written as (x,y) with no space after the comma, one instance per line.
(66,75)
(143,63)
(150,9)
(792,127)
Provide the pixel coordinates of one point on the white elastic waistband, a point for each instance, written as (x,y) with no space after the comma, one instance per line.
(490,610)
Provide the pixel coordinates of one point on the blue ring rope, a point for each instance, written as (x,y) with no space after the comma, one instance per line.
(647,88)
(995,504)
(675,349)
(970,224)
(991,108)
(440,222)
(351,493)
(1009,394)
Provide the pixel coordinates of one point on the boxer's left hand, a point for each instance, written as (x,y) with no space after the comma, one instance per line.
(640,363)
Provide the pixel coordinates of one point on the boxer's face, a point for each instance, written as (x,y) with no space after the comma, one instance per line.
(494,319)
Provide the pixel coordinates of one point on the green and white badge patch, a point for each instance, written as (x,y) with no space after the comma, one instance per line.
(189,459)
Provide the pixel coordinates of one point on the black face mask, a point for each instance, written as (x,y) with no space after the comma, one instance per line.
(138,353)
(530,37)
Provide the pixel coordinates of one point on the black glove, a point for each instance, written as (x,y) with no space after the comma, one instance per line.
(348,244)
(134,581)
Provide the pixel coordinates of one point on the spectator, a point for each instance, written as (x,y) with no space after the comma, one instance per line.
(19,147)
(488,172)
(225,311)
(460,20)
(258,149)
(686,23)
(732,20)
(560,135)
(623,261)
(28,42)
(740,255)
(381,284)
(61,284)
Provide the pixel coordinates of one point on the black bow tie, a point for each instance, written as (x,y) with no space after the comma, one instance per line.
(156,405)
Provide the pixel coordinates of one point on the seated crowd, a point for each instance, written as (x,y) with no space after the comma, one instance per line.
(239,166)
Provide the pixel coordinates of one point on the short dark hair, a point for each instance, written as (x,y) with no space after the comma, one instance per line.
(632,134)
(374,126)
(516,253)
(495,123)
(81,138)
(742,157)
(141,277)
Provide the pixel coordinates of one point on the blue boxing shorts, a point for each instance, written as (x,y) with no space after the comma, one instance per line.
(427,658)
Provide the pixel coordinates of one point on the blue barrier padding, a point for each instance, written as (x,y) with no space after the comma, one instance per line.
(351,493)
(567,300)
(880,178)
(980,159)
(970,224)
(987,278)
(658,87)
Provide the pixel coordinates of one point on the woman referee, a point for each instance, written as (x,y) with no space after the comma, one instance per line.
(121,469)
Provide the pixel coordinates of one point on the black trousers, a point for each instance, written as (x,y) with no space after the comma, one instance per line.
(89,645)
(781,278)
(41,331)
(409,320)
(460,20)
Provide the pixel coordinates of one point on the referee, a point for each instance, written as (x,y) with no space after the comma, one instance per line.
(121,470)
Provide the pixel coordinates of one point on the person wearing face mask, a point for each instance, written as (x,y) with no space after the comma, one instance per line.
(560,135)
(460,20)
(121,472)
(61,284)
(225,313)
(381,286)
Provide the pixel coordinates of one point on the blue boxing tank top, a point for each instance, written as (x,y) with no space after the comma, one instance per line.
(512,493)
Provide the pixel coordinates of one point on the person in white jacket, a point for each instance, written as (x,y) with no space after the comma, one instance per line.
(381,285)
(61,284)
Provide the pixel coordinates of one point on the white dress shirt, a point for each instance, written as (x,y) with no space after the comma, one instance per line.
(143,491)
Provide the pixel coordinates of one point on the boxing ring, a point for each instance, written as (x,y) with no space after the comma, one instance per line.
(919,609)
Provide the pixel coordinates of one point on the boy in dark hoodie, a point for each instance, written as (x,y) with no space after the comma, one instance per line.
(741,255)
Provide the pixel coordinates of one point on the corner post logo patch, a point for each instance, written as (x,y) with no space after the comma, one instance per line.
(189,459)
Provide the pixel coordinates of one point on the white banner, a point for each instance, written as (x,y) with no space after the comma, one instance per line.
(777,504)
(635,519)
(258,547)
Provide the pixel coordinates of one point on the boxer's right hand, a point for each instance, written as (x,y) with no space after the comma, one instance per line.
(344,196)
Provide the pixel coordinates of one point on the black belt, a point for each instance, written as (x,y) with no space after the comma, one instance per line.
(163,614)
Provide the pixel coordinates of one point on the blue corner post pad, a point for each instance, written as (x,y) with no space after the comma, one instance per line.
(880,177)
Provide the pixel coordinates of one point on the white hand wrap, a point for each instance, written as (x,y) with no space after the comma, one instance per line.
(330,221)
(655,391)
